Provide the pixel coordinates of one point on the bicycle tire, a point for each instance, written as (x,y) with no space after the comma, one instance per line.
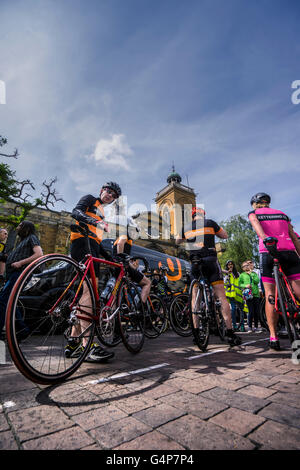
(38,354)
(282,297)
(156,317)
(179,315)
(262,314)
(131,316)
(220,322)
(200,332)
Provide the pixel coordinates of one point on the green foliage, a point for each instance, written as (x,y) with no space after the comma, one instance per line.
(242,243)
(12,190)
(8,188)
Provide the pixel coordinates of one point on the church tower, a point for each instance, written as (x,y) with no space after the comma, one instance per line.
(174,203)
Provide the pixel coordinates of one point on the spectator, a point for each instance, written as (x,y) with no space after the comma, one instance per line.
(233,294)
(3,238)
(27,250)
(249,283)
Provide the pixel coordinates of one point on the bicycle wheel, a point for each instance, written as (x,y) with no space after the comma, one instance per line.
(262,314)
(198,316)
(283,298)
(179,315)
(51,292)
(220,322)
(156,317)
(131,316)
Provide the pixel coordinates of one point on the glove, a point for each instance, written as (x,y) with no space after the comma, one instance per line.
(122,258)
(102,225)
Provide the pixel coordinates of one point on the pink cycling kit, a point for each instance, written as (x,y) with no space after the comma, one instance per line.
(275,223)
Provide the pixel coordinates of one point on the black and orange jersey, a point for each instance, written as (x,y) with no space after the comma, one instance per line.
(200,235)
(90,211)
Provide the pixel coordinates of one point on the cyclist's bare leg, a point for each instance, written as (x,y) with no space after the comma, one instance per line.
(85,302)
(195,305)
(296,287)
(146,286)
(225,307)
(272,316)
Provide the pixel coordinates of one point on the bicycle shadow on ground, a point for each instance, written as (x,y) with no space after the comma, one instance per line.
(105,396)
(237,358)
(111,389)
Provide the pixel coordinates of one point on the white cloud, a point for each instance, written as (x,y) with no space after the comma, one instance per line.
(113,152)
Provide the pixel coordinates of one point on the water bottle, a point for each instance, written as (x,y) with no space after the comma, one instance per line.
(108,288)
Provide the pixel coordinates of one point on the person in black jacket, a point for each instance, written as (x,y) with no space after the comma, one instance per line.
(27,250)
(3,238)
(90,211)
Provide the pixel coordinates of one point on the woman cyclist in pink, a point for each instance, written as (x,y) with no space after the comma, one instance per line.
(268,222)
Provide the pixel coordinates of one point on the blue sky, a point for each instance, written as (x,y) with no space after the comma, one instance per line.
(102,90)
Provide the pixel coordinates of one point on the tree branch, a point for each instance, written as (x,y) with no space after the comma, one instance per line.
(50,195)
(14,155)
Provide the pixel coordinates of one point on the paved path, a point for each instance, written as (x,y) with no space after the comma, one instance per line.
(168,397)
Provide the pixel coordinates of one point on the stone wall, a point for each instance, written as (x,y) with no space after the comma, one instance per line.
(53,229)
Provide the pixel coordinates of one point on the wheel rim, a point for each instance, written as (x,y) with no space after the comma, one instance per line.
(44,293)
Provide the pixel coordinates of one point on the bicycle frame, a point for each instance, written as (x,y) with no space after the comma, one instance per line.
(88,267)
(283,277)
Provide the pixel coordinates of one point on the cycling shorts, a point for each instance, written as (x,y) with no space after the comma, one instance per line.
(289,261)
(134,274)
(211,270)
(79,249)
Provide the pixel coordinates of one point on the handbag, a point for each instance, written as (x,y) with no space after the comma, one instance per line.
(247,294)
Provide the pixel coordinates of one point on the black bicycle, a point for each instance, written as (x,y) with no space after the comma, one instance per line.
(205,310)
(179,315)
(285,302)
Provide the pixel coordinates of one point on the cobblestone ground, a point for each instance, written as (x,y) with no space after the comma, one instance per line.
(168,397)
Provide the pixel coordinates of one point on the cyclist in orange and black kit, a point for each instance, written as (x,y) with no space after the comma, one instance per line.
(90,210)
(200,237)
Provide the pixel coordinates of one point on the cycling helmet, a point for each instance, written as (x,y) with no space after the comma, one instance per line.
(260,197)
(198,210)
(163,268)
(114,187)
(131,224)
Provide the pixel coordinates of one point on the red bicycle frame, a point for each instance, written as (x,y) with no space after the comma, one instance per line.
(89,267)
(290,291)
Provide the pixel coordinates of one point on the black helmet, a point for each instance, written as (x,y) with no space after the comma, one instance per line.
(163,268)
(114,186)
(260,197)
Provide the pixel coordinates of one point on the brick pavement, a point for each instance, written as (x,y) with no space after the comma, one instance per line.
(244,398)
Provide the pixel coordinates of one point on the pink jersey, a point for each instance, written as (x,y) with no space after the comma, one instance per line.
(275,224)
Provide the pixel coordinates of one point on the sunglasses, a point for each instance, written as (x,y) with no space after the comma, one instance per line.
(111,192)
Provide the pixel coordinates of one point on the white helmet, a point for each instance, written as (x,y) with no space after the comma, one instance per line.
(131,224)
